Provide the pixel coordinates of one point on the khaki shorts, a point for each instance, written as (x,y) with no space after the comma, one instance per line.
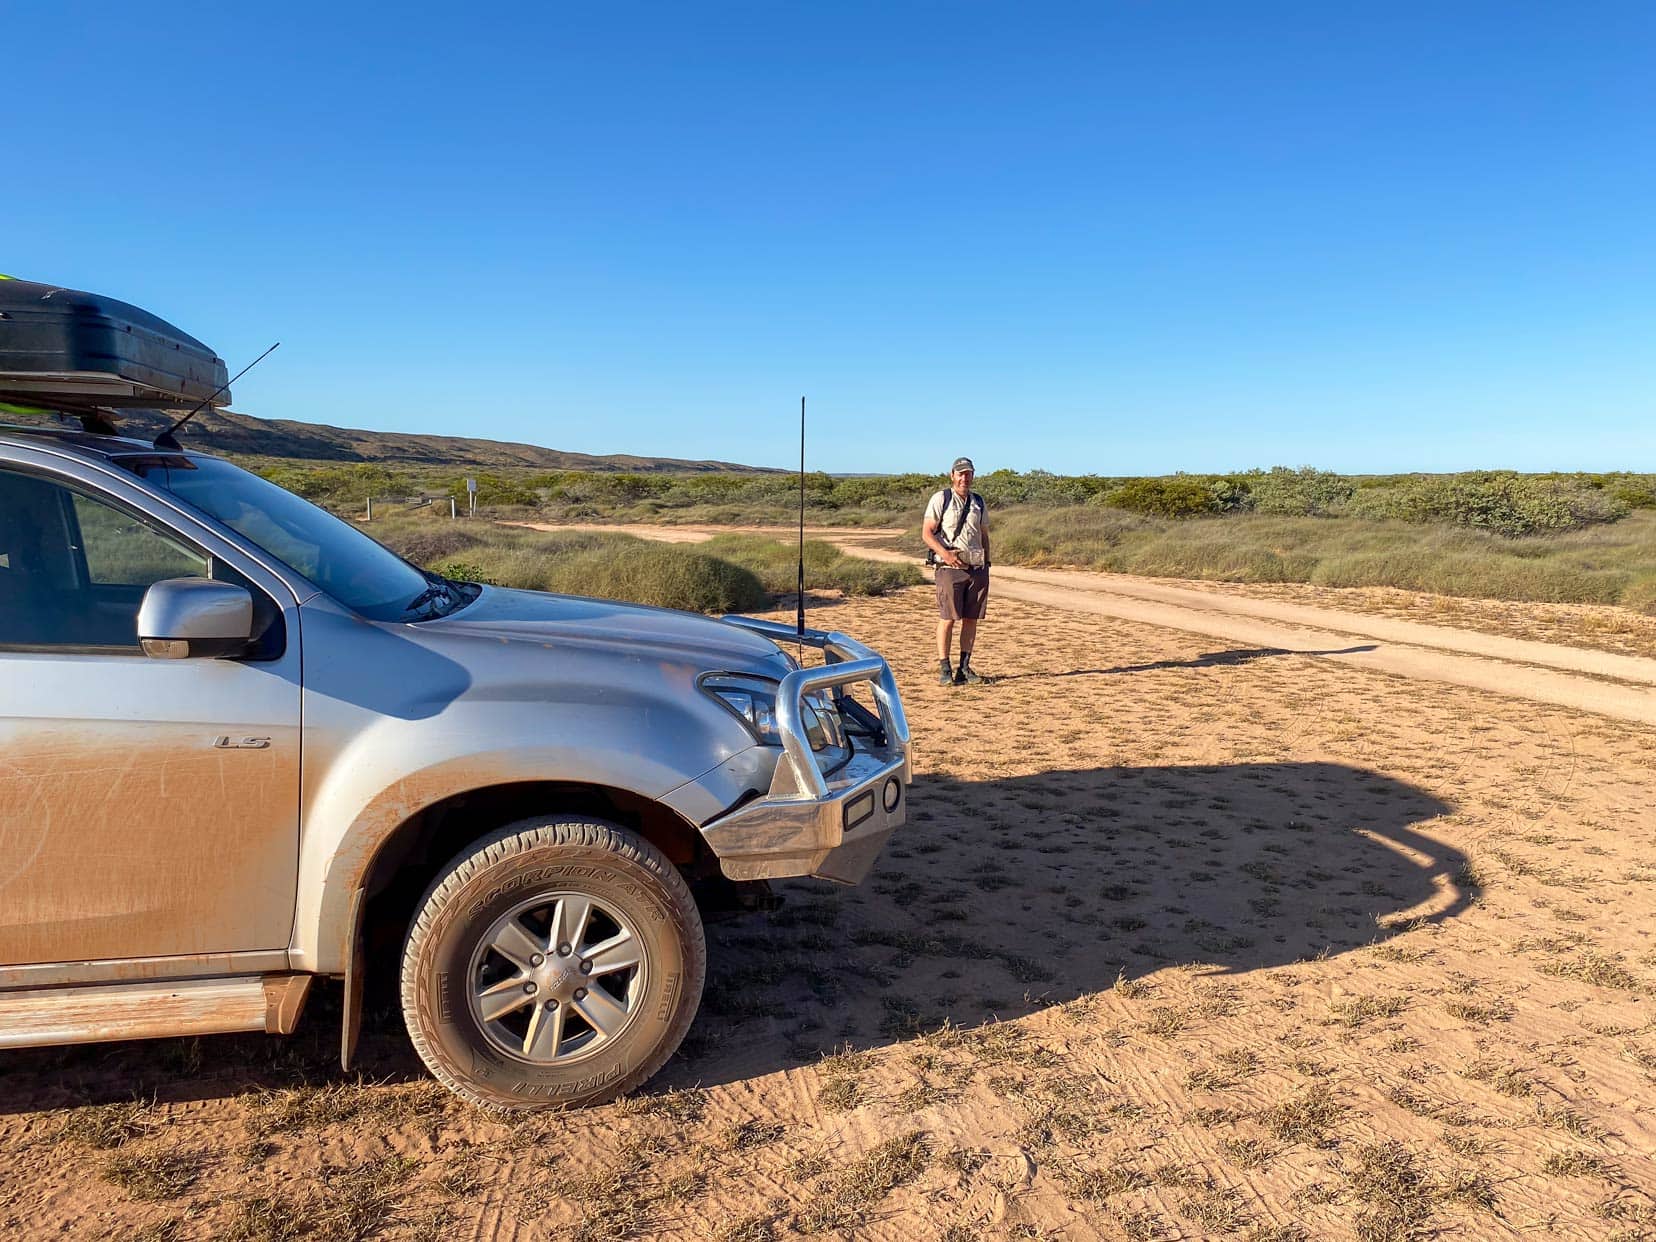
(962,594)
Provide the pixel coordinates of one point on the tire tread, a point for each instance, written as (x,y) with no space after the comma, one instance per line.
(522,837)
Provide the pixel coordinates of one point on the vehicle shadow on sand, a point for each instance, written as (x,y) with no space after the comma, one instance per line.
(1002,897)
(999,898)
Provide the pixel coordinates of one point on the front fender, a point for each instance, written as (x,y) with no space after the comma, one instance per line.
(397,720)
(343,839)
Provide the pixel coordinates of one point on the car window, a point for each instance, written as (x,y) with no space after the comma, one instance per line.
(122,551)
(75,567)
(331,553)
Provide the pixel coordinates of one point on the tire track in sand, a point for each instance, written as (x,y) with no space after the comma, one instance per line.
(1604,682)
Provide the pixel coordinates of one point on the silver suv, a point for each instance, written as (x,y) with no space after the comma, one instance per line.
(237,735)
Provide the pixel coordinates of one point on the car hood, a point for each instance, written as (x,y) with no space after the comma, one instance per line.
(630,630)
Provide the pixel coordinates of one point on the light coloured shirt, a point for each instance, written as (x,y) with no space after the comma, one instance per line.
(969,543)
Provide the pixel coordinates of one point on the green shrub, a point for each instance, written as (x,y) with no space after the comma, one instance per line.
(663,574)
(1634,491)
(1306,492)
(348,484)
(1501,501)
(465,571)
(777,566)
(1232,493)
(1177,497)
(493,489)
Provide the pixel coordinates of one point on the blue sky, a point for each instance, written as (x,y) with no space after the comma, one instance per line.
(1112,238)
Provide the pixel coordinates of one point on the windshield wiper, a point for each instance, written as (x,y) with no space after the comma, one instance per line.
(441,589)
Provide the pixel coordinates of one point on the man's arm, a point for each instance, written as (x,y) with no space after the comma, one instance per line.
(928,532)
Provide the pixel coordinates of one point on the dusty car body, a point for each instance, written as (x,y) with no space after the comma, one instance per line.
(238,739)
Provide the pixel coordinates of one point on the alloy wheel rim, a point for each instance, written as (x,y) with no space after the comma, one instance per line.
(557,978)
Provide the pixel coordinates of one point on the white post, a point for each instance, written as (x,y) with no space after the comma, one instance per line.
(370,508)
(451,507)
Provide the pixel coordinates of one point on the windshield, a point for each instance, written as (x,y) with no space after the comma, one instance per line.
(332,554)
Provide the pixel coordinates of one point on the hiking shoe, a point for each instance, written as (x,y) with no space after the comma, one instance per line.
(945,677)
(965,676)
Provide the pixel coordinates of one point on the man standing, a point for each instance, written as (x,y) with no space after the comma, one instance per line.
(956,529)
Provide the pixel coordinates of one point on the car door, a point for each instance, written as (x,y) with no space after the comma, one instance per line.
(148,807)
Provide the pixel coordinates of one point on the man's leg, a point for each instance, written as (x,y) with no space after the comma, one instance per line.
(976,596)
(945,673)
(945,632)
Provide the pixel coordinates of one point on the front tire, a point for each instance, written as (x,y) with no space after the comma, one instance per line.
(557,962)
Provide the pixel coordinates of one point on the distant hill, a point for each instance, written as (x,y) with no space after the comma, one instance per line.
(222,431)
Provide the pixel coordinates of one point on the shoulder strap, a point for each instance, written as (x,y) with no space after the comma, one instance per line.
(965,512)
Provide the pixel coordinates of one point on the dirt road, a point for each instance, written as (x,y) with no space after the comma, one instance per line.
(1622,686)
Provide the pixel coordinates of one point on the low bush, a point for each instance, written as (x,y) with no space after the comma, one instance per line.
(1636,491)
(463,571)
(1306,492)
(777,566)
(731,573)
(1579,537)
(666,575)
(1177,497)
(1598,564)
(1506,503)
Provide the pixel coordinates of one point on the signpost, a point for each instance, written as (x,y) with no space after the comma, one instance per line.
(471,497)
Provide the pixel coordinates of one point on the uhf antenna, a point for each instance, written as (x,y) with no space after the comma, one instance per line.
(800,614)
(166,440)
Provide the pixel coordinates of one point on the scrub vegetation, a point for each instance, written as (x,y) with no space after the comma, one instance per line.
(1561,538)
(733,573)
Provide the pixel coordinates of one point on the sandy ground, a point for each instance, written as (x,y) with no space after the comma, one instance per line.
(1486,649)
(1599,627)
(1185,939)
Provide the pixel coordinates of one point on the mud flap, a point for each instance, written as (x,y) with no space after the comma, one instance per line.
(355,952)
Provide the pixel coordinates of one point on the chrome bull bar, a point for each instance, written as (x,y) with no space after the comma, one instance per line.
(847,661)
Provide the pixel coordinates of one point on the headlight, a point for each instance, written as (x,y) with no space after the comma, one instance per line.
(754,700)
(751,698)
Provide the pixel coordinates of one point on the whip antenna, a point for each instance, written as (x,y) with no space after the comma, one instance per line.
(166,440)
(799,617)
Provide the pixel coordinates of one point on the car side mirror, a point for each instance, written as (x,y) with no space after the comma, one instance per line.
(193,618)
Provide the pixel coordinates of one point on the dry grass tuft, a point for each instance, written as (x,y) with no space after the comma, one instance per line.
(746,1135)
(298,1109)
(757,1228)
(1217,1211)
(1579,1164)
(684,1105)
(1303,1118)
(844,1199)
(106,1126)
(1360,1009)
(1601,970)
(1097,1185)
(153,1176)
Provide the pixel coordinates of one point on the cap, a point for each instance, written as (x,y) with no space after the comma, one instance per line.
(962,463)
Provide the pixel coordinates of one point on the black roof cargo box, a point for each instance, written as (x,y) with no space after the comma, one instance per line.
(71,350)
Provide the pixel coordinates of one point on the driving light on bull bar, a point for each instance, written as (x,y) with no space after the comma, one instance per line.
(893,794)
